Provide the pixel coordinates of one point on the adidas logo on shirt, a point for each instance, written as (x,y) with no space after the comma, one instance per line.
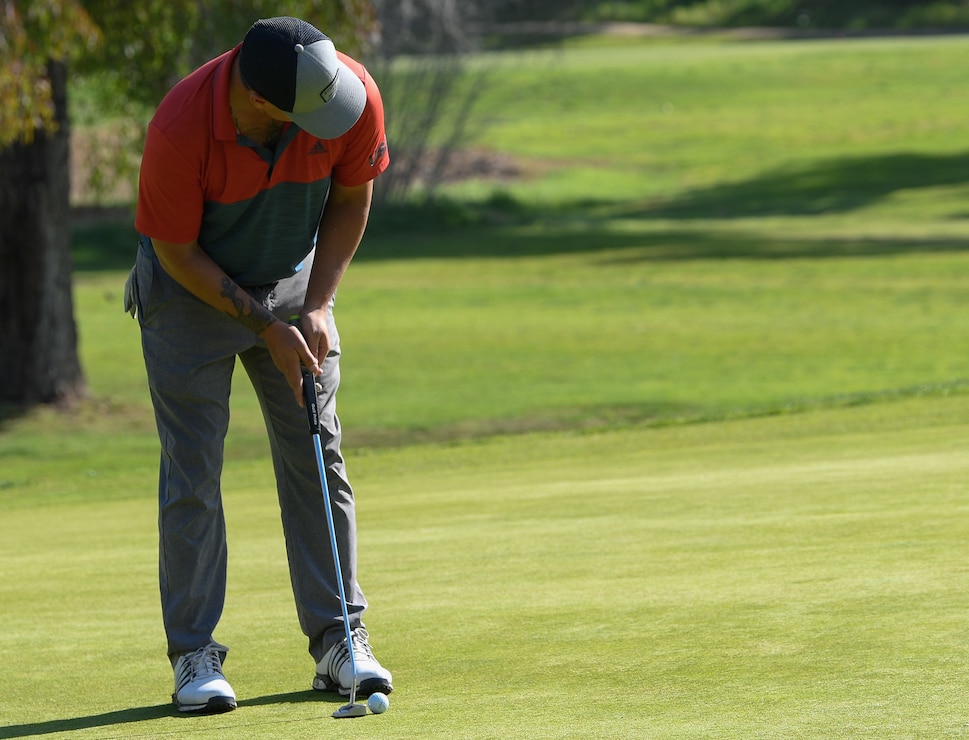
(317,148)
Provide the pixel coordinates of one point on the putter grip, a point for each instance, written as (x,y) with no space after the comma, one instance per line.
(310,401)
(309,390)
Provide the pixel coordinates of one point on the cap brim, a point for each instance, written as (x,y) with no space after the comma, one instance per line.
(335,118)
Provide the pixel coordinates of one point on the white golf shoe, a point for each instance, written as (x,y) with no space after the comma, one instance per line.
(334,672)
(200,685)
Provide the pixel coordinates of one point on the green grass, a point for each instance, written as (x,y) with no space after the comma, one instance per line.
(797,576)
(666,442)
(654,120)
(706,324)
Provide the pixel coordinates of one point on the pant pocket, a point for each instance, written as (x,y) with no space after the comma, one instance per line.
(131,292)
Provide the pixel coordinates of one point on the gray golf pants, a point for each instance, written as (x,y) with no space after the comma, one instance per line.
(190,350)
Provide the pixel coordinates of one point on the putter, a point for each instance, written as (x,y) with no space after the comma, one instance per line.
(313,416)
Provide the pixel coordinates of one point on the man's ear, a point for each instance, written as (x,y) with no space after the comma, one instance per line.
(257,101)
(262,105)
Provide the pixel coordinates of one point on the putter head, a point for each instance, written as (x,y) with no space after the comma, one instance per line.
(350,710)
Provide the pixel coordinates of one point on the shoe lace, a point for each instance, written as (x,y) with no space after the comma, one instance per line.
(361,650)
(361,646)
(206,661)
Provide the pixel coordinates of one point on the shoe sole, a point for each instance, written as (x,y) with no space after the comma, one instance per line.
(215,705)
(364,689)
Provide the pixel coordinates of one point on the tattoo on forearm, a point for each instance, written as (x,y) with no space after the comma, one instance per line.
(248,312)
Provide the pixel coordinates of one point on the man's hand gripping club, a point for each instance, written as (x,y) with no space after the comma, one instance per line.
(291,355)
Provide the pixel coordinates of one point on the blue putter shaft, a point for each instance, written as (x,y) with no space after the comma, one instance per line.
(313,416)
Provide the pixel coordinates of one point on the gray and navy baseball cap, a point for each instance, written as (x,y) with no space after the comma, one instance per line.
(294,66)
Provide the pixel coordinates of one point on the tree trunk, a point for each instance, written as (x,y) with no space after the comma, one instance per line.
(38,360)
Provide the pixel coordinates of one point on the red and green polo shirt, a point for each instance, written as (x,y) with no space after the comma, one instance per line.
(254,211)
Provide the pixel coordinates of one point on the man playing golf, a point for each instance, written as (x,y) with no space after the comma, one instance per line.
(255,190)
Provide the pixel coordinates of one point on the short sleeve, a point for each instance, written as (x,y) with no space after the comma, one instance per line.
(365,153)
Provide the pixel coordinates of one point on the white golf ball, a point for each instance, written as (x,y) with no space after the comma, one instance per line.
(378,703)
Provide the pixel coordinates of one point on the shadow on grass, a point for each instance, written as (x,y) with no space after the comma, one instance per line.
(10,412)
(159,711)
(107,244)
(825,187)
(828,186)
(503,227)
(294,697)
(107,719)
(663,245)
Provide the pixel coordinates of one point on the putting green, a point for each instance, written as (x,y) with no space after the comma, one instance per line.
(788,576)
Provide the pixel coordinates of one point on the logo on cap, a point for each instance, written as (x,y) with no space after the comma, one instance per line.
(329,91)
